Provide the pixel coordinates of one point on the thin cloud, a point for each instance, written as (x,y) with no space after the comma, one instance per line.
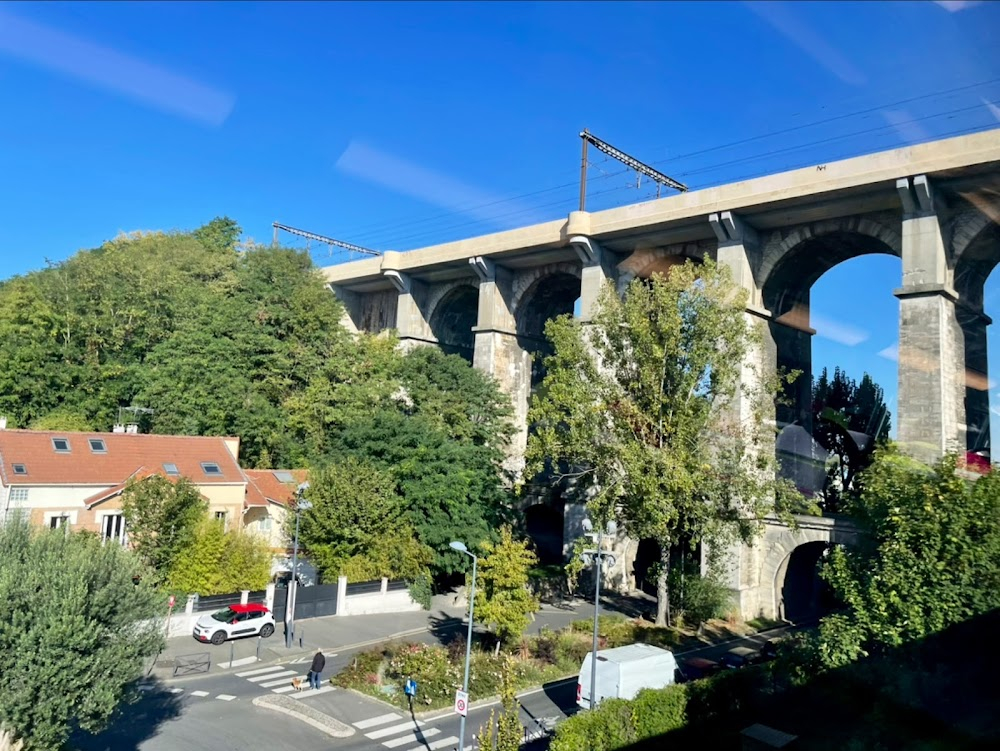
(902,122)
(114,71)
(890,353)
(782,19)
(994,110)
(840,333)
(432,187)
(954,6)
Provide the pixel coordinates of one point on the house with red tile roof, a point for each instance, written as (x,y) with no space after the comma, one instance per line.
(270,495)
(66,478)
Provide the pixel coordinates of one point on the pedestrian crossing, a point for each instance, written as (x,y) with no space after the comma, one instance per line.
(396,732)
(278,680)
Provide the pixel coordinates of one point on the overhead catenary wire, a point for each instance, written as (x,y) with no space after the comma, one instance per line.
(393,238)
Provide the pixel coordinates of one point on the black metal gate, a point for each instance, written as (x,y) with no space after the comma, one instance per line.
(311,602)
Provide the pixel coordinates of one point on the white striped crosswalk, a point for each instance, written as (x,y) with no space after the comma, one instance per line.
(278,679)
(408,735)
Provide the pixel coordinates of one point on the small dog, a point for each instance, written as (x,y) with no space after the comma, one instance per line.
(297,684)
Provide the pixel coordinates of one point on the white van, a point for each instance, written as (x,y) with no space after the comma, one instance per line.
(623,672)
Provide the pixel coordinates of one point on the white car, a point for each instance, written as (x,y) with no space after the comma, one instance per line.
(234,621)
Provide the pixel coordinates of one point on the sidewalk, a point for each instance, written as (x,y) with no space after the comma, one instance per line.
(333,634)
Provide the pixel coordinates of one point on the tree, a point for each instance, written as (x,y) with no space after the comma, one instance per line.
(162,517)
(76,631)
(509,733)
(638,411)
(218,562)
(928,558)
(851,421)
(503,599)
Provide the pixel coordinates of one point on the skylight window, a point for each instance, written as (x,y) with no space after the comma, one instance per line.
(171,469)
(211,468)
(283,476)
(61,445)
(20,469)
(97,446)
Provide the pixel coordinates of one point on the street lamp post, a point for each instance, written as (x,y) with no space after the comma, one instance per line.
(301,504)
(461,548)
(598,555)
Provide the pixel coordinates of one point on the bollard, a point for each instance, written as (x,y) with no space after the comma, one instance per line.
(232,650)
(258,649)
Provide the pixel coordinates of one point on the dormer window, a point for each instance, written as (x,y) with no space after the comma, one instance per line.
(61,445)
(283,476)
(171,469)
(20,469)
(97,446)
(212,469)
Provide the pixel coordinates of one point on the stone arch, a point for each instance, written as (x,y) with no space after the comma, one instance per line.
(543,523)
(777,556)
(453,312)
(793,260)
(540,295)
(975,250)
(645,262)
(527,284)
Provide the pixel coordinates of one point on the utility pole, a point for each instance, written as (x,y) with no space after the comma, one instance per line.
(631,162)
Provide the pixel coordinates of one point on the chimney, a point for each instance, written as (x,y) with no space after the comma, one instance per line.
(132,428)
(118,428)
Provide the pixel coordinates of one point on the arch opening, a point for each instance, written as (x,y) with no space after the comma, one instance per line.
(802,594)
(543,523)
(831,300)
(453,320)
(551,296)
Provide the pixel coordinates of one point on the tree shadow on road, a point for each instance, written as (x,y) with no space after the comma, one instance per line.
(135,721)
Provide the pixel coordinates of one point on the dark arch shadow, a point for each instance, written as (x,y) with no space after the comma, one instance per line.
(804,595)
(453,320)
(544,525)
(549,297)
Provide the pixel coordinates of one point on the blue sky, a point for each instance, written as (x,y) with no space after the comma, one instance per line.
(398,125)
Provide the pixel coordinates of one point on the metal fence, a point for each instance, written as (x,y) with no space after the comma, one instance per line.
(217,602)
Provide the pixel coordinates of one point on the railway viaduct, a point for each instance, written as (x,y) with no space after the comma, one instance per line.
(936,206)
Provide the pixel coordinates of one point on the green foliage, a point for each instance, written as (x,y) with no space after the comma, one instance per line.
(655,712)
(503,599)
(695,598)
(609,726)
(508,732)
(76,631)
(929,558)
(162,517)
(357,525)
(421,590)
(63,419)
(640,411)
(841,408)
(219,562)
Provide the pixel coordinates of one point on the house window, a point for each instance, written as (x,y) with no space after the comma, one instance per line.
(20,469)
(97,446)
(56,522)
(283,476)
(61,445)
(211,468)
(171,469)
(18,496)
(113,528)
(221,516)
(265,524)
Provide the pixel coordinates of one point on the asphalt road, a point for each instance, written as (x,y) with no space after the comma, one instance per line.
(216,711)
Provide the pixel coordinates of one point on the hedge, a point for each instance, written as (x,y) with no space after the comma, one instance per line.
(617,723)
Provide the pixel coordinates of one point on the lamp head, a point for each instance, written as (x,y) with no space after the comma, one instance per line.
(303,487)
(588,526)
(612,528)
(303,505)
(459,546)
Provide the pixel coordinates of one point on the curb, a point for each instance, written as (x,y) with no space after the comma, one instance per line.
(304,713)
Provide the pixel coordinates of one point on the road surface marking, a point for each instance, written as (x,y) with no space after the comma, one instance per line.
(283,689)
(177,690)
(311,692)
(237,663)
(269,676)
(413,737)
(199,693)
(386,732)
(375,721)
(259,671)
(225,697)
(451,741)
(279,682)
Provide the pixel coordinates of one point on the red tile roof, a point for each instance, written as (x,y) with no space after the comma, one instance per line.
(264,486)
(141,474)
(126,454)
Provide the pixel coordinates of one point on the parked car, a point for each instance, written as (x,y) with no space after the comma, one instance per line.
(769,649)
(234,621)
(739,657)
(698,667)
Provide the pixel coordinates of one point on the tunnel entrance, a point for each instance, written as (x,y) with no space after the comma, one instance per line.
(804,596)
(544,525)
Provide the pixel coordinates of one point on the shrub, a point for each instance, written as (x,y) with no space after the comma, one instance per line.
(420,590)
(616,629)
(655,712)
(603,729)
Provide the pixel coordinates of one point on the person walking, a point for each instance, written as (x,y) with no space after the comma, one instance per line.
(318,663)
